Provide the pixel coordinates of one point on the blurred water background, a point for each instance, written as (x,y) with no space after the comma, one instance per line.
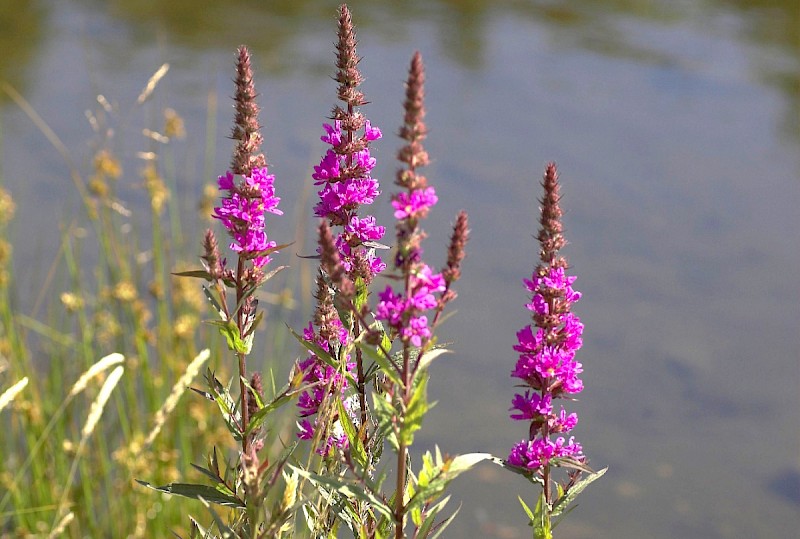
(676,127)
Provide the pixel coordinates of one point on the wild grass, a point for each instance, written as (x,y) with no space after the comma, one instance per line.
(94,379)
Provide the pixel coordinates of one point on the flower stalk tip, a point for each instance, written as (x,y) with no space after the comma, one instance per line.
(246,129)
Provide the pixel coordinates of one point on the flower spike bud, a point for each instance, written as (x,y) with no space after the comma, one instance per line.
(246,130)
(455,252)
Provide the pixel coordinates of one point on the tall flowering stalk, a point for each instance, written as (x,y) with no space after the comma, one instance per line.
(548,371)
(344,172)
(405,314)
(347,244)
(242,212)
(248,196)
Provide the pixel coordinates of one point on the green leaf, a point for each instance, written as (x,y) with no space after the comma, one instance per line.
(213,462)
(230,331)
(225,403)
(197,274)
(196,529)
(427,358)
(356,445)
(252,392)
(271,274)
(417,407)
(444,524)
(197,492)
(570,462)
(526,508)
(385,414)
(315,349)
(259,417)
(208,473)
(430,517)
(251,327)
(530,475)
(347,488)
(386,365)
(360,298)
(563,502)
(462,463)
(223,528)
(437,473)
(541,520)
(214,303)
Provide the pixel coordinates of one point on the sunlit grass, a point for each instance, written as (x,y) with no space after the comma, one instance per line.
(94,377)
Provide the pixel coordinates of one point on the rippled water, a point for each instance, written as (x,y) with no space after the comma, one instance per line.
(676,125)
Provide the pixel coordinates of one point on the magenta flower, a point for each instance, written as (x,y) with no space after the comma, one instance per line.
(531,406)
(242,212)
(365,229)
(344,174)
(328,169)
(333,133)
(414,204)
(339,200)
(404,314)
(371,133)
(536,454)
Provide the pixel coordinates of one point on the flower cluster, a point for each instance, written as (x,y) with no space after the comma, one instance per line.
(347,185)
(345,171)
(242,213)
(322,379)
(345,176)
(546,363)
(333,337)
(403,312)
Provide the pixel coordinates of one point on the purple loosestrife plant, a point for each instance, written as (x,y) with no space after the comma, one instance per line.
(409,316)
(390,347)
(548,371)
(242,212)
(248,196)
(334,412)
(333,339)
(344,174)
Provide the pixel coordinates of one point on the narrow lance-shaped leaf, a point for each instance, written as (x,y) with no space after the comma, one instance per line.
(225,403)
(417,407)
(197,492)
(356,446)
(563,502)
(316,349)
(214,303)
(386,365)
(385,414)
(530,475)
(286,395)
(197,274)
(541,520)
(430,516)
(439,528)
(348,489)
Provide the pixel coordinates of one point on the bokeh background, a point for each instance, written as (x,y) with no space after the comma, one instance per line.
(676,127)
